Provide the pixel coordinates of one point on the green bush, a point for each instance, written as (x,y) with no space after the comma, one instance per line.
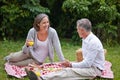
(102,14)
(17,17)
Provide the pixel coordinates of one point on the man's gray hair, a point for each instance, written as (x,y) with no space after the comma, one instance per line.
(84,23)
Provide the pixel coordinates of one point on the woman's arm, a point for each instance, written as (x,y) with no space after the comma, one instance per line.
(30,37)
(57,46)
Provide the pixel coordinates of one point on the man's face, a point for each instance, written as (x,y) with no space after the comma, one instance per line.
(81,32)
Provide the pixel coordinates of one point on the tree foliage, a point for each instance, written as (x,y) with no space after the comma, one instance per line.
(102,13)
(17,16)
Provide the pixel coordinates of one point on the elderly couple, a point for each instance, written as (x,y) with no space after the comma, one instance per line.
(45,40)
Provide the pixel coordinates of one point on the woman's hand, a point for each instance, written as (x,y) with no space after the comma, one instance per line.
(29,43)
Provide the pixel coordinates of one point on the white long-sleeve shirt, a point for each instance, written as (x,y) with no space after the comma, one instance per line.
(93,53)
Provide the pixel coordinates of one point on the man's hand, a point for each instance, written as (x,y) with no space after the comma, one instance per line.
(66,63)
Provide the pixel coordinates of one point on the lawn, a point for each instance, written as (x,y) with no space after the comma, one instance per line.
(6,47)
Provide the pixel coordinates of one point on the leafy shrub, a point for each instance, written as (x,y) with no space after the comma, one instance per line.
(17,17)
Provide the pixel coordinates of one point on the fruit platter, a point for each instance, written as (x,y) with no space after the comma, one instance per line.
(45,68)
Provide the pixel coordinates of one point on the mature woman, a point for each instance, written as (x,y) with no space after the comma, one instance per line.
(44,39)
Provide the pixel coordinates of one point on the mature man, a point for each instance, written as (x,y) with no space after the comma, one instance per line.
(93,57)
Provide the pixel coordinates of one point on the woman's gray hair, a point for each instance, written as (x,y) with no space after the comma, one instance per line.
(38,19)
(85,23)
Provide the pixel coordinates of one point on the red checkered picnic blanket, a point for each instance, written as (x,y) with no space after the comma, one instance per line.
(19,71)
(107,73)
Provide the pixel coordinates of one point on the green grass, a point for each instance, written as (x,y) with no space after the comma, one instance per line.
(6,47)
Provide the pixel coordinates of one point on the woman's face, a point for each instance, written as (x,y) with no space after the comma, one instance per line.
(44,24)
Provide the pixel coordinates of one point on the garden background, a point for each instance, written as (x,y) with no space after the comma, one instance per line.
(17,16)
